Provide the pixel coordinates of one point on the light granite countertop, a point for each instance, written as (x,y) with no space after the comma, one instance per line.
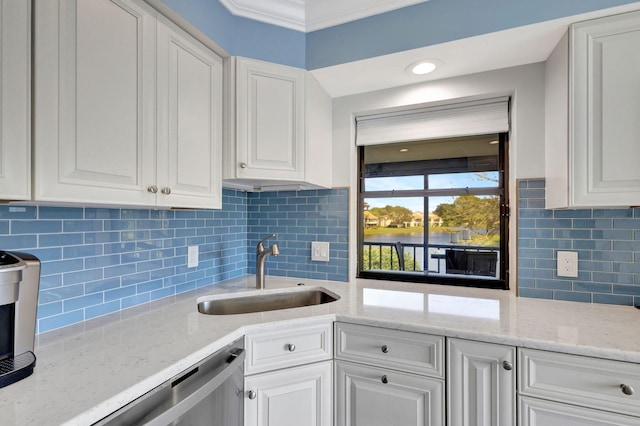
(86,371)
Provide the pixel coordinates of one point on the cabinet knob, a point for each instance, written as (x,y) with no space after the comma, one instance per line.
(507,365)
(626,389)
(166,190)
(152,189)
(252,394)
(384,379)
(243,165)
(385,349)
(291,347)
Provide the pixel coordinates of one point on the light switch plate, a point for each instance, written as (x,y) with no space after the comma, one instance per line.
(320,251)
(192,256)
(568,264)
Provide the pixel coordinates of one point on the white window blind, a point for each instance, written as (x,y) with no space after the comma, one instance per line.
(443,121)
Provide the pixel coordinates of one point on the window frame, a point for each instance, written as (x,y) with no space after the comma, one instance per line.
(502,191)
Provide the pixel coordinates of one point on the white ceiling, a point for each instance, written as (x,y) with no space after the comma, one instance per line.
(311,15)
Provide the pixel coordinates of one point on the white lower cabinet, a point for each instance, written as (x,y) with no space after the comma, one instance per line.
(481,384)
(372,396)
(298,396)
(289,376)
(388,377)
(557,389)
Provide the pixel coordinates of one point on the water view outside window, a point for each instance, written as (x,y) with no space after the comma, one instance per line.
(434,219)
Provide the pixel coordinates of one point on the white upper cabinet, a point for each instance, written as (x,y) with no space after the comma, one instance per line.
(189,131)
(592,110)
(15,97)
(281,132)
(127,109)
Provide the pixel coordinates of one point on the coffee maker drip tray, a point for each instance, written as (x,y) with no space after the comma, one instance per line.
(16,368)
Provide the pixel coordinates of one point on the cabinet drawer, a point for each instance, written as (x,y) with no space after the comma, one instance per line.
(400,350)
(592,382)
(539,412)
(282,348)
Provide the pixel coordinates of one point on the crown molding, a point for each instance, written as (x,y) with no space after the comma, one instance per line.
(311,15)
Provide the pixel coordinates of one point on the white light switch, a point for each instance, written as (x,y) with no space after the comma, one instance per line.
(192,256)
(320,251)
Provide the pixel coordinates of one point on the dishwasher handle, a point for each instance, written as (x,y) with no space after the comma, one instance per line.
(174,413)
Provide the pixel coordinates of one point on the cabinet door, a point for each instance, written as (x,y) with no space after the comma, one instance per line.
(371,396)
(605,109)
(539,412)
(299,396)
(481,384)
(94,85)
(15,98)
(270,121)
(189,121)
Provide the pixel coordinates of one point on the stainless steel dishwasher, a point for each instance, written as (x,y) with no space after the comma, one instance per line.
(209,393)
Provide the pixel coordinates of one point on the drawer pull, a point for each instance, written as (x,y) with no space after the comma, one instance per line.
(507,365)
(384,379)
(252,394)
(626,389)
(385,349)
(291,347)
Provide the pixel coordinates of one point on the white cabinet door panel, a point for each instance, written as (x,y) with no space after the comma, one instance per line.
(15,100)
(297,396)
(371,396)
(480,390)
(605,106)
(270,121)
(94,101)
(189,120)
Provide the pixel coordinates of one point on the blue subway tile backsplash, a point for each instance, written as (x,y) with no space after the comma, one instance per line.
(607,242)
(298,218)
(96,261)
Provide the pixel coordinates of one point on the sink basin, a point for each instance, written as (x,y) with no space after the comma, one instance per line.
(265,300)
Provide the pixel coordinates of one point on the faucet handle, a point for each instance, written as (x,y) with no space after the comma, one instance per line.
(260,247)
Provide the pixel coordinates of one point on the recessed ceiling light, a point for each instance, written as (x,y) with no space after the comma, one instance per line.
(493,143)
(424,66)
(404,149)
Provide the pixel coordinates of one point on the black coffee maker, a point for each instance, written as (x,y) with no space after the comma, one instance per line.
(19,283)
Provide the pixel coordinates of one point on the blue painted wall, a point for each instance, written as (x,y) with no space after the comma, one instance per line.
(97,261)
(434,22)
(243,37)
(424,24)
(607,242)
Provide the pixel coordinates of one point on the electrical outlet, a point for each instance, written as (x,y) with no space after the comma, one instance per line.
(320,251)
(192,256)
(568,264)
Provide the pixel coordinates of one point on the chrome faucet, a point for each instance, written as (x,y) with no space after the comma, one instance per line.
(261,257)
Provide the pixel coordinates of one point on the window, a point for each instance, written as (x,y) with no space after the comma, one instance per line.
(435,211)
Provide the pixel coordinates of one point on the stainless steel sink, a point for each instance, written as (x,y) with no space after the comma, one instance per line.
(265,300)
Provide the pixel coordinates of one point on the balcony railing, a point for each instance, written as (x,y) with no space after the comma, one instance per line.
(477,261)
